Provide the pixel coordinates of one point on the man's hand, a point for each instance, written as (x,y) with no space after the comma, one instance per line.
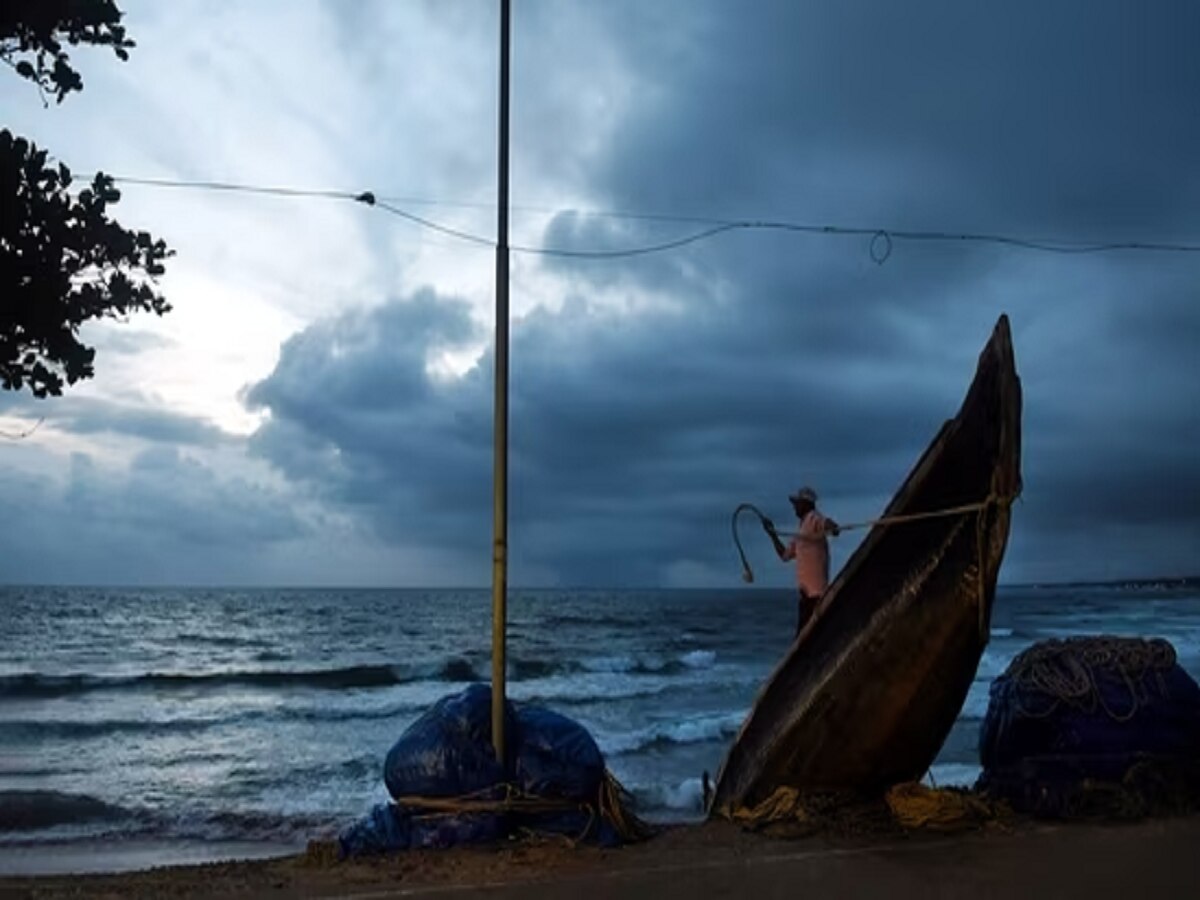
(768,526)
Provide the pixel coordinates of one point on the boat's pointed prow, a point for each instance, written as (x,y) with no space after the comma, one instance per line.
(1001,343)
(1003,330)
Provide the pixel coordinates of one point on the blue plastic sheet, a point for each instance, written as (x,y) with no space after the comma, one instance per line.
(555,756)
(448,751)
(440,832)
(385,829)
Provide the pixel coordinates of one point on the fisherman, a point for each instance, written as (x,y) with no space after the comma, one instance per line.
(809,547)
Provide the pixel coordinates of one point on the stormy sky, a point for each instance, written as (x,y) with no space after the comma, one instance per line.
(317,407)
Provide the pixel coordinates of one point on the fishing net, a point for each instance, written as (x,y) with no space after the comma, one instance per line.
(911,806)
(789,812)
(915,806)
(1093,726)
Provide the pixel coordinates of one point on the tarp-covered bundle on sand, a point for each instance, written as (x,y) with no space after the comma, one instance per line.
(1093,725)
(449,789)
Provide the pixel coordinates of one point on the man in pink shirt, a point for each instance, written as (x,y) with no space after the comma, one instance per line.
(809,547)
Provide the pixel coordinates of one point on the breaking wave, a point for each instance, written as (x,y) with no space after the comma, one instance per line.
(34,810)
(673,801)
(50,817)
(699,730)
(456,670)
(33,684)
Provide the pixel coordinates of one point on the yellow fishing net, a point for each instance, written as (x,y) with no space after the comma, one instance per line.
(909,807)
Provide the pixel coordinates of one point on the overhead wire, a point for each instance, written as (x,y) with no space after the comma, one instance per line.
(427,223)
(629,251)
(21,435)
(232,187)
(880,247)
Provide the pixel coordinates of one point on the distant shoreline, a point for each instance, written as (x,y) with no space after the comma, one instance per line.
(1185,581)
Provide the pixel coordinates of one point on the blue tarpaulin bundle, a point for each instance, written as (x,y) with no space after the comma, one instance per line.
(1092,723)
(449,789)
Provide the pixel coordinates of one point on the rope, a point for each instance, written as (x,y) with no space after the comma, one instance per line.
(1065,672)
(613,805)
(981,606)
(747,572)
(616,808)
(964,509)
(917,517)
(513,800)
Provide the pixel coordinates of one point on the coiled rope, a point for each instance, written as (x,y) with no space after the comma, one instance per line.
(1065,672)
(747,572)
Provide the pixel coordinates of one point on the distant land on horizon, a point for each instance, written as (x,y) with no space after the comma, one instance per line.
(1164,581)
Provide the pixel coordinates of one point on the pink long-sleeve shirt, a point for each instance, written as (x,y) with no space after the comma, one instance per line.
(810,548)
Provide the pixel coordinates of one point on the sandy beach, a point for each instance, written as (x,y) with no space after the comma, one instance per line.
(710,860)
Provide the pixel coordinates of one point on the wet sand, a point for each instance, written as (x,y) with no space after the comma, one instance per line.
(710,861)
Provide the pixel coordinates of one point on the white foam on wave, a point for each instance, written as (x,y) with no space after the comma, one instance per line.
(692,731)
(606,679)
(976,704)
(610,664)
(1187,651)
(699,659)
(591,686)
(684,797)
(694,659)
(993,662)
(954,774)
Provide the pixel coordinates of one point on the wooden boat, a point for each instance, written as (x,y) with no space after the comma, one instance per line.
(869,690)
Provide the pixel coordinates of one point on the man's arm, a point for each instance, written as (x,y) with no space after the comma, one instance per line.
(780,550)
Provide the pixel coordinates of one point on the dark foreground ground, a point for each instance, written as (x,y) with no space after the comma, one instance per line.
(1157,859)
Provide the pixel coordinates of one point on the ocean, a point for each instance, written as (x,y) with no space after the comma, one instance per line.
(260,718)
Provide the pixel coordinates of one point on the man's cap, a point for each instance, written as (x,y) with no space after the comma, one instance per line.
(805,493)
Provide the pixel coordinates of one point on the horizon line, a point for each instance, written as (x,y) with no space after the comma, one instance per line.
(1160,579)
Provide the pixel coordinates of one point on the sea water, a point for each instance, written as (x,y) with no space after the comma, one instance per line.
(228,717)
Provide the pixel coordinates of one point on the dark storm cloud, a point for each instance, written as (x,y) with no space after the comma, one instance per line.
(98,416)
(94,415)
(1073,114)
(632,439)
(1072,120)
(758,359)
(355,417)
(738,366)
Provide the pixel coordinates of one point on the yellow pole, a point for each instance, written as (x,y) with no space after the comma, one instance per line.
(500,454)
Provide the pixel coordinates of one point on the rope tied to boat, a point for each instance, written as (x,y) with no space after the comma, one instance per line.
(960,510)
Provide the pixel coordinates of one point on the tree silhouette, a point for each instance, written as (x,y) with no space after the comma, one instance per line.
(63,261)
